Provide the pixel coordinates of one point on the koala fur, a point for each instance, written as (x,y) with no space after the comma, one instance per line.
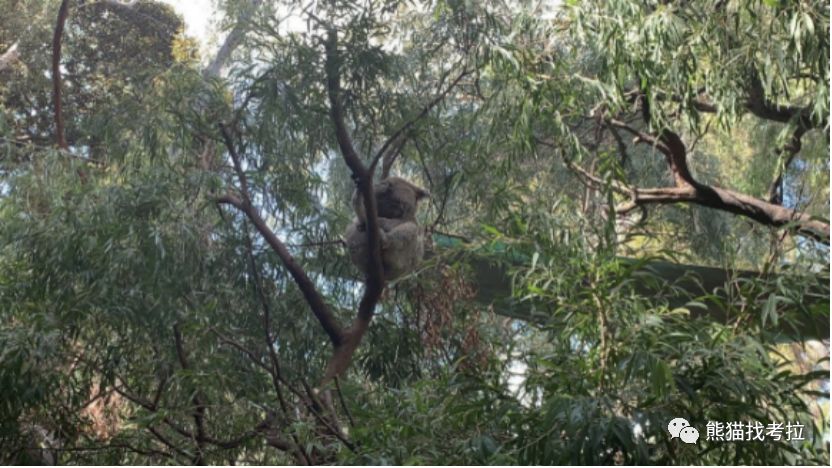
(396,198)
(402,239)
(402,246)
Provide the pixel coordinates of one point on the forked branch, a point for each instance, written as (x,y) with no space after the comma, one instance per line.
(687,189)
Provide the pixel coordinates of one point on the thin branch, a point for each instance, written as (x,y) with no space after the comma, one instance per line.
(199,406)
(343,402)
(445,197)
(315,407)
(400,133)
(789,152)
(390,156)
(451,235)
(275,365)
(322,243)
(587,177)
(235,158)
(622,147)
(165,441)
(641,137)
(224,444)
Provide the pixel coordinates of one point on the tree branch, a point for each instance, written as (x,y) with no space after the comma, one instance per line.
(759,105)
(688,190)
(60,139)
(364,179)
(295,446)
(305,284)
(789,152)
(225,444)
(307,287)
(400,133)
(722,199)
(199,406)
(232,41)
(9,56)
(669,144)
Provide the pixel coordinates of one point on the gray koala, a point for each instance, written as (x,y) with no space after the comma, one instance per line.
(402,246)
(402,239)
(396,198)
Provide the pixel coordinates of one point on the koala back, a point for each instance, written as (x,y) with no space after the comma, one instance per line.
(402,246)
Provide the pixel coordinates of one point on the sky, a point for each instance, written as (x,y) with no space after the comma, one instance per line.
(197,15)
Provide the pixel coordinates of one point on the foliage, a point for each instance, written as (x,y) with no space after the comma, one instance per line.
(142,321)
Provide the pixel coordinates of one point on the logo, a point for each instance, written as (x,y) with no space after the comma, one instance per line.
(681,428)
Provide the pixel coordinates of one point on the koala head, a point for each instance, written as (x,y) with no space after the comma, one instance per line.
(396,198)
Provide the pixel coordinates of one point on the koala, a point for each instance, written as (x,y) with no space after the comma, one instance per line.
(402,246)
(396,198)
(402,239)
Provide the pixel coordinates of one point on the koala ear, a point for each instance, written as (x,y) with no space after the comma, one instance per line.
(421,193)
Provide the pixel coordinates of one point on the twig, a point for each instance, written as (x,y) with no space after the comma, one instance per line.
(343,403)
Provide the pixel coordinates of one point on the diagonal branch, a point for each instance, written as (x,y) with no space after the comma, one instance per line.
(399,136)
(669,144)
(9,56)
(307,287)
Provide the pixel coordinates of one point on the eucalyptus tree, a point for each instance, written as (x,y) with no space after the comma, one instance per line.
(174,290)
(662,80)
